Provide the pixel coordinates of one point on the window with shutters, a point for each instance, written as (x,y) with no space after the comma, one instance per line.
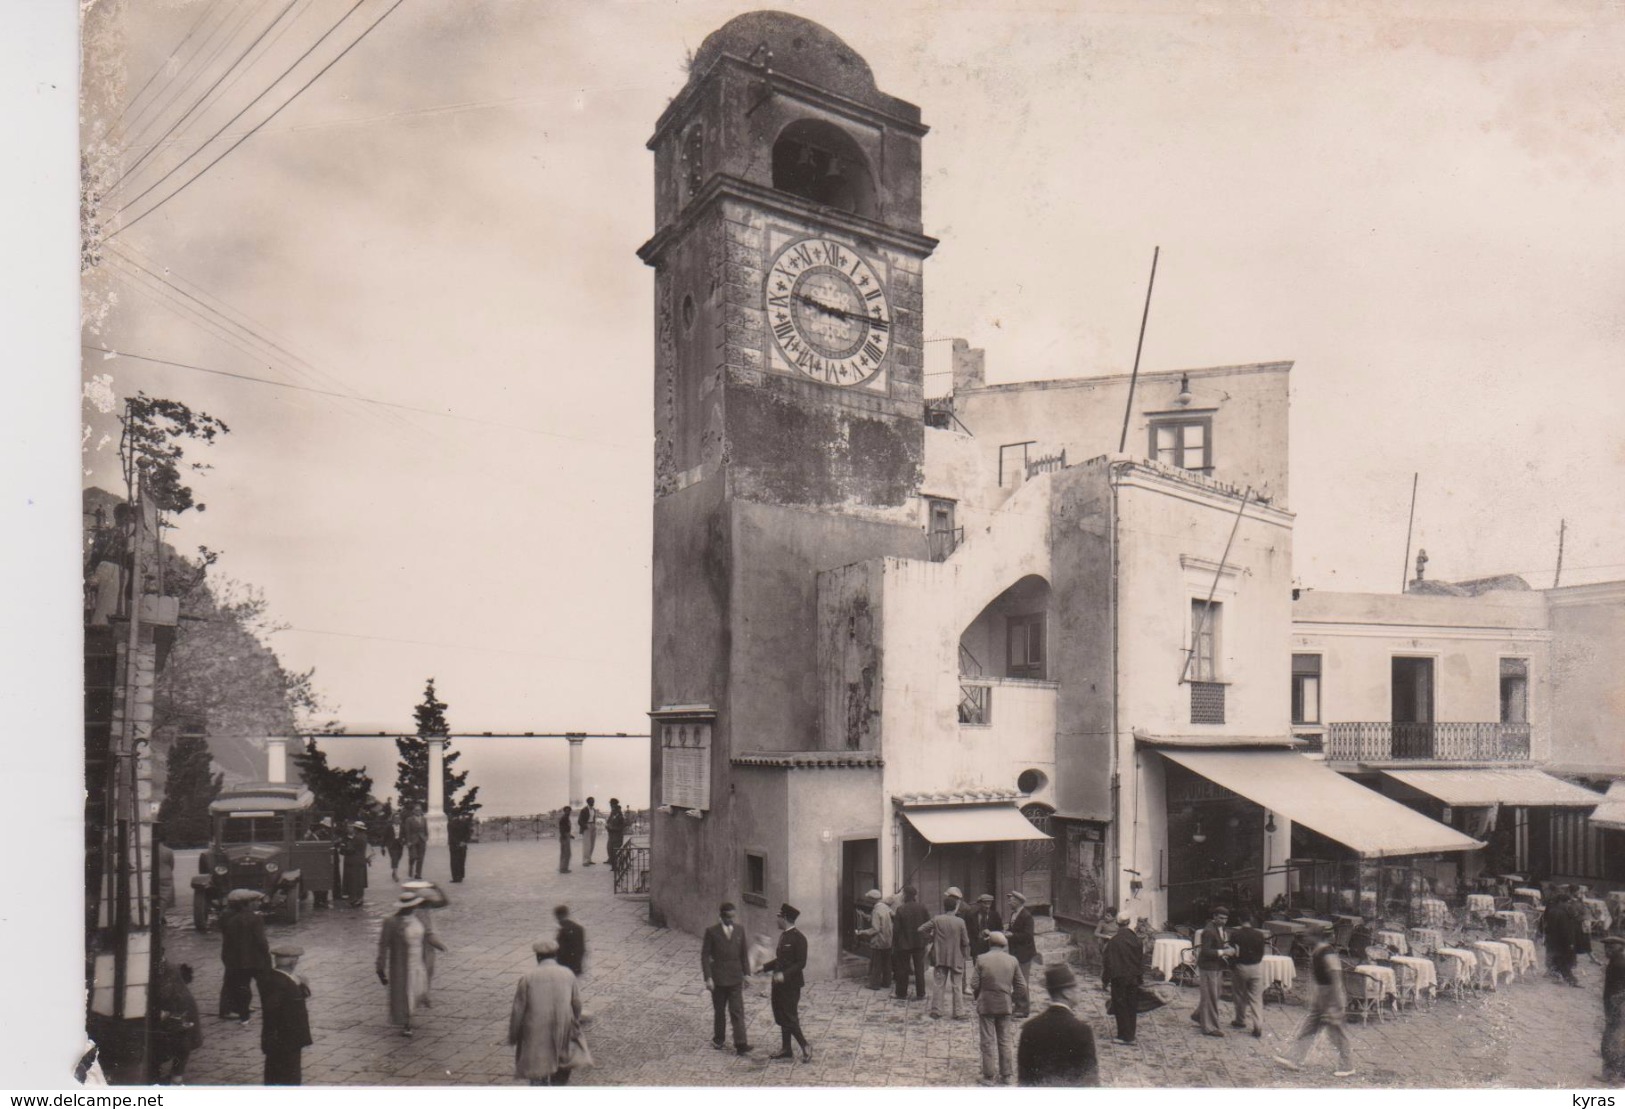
(1026,646)
(1514,691)
(1306,689)
(685,764)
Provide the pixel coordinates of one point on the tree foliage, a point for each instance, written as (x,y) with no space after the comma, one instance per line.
(152,450)
(189,787)
(345,795)
(412,771)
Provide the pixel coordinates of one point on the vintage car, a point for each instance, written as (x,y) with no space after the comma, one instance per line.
(266,838)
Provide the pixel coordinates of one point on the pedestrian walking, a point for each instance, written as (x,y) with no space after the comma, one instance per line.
(572,940)
(244,953)
(1559,929)
(180,1031)
(1326,1011)
(357,855)
(997,984)
(724,964)
(786,966)
(908,944)
(1580,924)
(285,1030)
(614,829)
(1056,1048)
(566,834)
(415,831)
(459,831)
(949,944)
(1124,968)
(544,1024)
(1247,975)
(588,824)
(1020,933)
(879,935)
(403,961)
(1613,1010)
(390,838)
(1213,951)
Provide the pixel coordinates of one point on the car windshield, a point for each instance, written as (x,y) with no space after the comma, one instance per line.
(258,828)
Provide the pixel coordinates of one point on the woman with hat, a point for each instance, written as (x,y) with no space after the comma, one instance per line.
(404,961)
(1613,1009)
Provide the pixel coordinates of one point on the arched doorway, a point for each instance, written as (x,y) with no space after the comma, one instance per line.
(1033,862)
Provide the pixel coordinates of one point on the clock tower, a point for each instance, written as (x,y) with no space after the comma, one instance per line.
(789,427)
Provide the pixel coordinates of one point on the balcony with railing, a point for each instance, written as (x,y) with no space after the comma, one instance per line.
(1450,741)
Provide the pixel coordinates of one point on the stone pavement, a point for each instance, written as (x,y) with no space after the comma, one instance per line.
(651,1017)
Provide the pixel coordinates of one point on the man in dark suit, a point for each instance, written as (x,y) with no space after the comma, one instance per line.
(984,918)
(572,941)
(459,831)
(724,963)
(786,966)
(1022,944)
(244,953)
(1057,1049)
(286,1030)
(566,834)
(907,945)
(1124,960)
(1213,953)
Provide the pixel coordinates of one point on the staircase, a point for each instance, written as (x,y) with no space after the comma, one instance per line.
(1055,945)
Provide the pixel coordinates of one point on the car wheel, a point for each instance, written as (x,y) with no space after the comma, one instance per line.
(200,910)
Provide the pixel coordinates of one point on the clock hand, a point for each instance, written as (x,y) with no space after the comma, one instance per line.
(843,313)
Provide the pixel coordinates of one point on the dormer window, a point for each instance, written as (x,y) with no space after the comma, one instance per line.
(817,161)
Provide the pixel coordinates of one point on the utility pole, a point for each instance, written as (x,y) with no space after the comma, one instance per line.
(1128,409)
(1562,528)
(1404,571)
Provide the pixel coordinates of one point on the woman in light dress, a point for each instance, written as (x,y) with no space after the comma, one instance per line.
(406,947)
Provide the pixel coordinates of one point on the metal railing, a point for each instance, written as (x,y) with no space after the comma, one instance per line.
(1046,464)
(1449,741)
(631,868)
(975,702)
(944,541)
(1207,702)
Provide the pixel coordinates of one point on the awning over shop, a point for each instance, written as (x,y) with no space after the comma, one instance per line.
(1309,794)
(1519,786)
(1611,813)
(973,824)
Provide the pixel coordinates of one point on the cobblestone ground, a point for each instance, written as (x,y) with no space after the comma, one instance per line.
(652,1018)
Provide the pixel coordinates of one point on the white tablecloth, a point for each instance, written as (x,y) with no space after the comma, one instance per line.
(1467,959)
(1278,971)
(1596,911)
(1515,923)
(1430,911)
(1480,903)
(1501,958)
(1426,939)
(1314,924)
(1427,977)
(1384,975)
(1527,894)
(1523,953)
(1393,941)
(1165,954)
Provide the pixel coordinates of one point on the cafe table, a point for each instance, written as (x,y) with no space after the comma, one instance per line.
(1383,975)
(1313,924)
(1523,953)
(1513,921)
(1430,911)
(1166,952)
(1500,960)
(1277,970)
(1527,893)
(1467,960)
(1424,940)
(1393,941)
(1480,903)
(1596,911)
(1427,976)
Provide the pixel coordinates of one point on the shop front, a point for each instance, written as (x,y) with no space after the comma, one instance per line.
(979,848)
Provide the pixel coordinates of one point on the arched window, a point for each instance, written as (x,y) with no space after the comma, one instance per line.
(817,161)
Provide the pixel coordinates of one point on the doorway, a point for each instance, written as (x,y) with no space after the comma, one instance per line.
(860,873)
(1412,715)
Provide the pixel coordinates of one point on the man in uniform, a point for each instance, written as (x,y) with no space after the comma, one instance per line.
(285,1033)
(1022,944)
(724,963)
(1057,1049)
(786,966)
(244,953)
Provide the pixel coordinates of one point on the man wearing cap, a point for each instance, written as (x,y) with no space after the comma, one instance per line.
(415,833)
(1022,944)
(1213,951)
(572,939)
(1123,959)
(879,934)
(786,965)
(356,852)
(908,944)
(546,1007)
(459,831)
(244,953)
(285,1033)
(997,984)
(724,963)
(950,951)
(981,919)
(1057,1049)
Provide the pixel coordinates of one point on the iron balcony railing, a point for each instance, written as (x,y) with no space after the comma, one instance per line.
(1452,741)
(631,870)
(944,542)
(975,702)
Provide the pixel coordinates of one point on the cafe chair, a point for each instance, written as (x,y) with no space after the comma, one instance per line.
(1364,994)
(1185,973)
(1452,980)
(1377,953)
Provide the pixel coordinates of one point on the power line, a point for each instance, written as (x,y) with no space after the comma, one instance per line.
(355,397)
(456,646)
(246,14)
(130,103)
(184,116)
(250,104)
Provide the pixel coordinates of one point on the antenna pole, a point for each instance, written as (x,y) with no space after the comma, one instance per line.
(1122,441)
(1405,570)
(1562,526)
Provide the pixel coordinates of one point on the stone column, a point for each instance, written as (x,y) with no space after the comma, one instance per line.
(436,809)
(276,758)
(578,796)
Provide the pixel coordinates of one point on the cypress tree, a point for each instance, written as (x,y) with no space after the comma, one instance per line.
(412,771)
(188,788)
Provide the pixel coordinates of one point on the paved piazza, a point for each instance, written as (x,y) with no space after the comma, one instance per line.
(651,1016)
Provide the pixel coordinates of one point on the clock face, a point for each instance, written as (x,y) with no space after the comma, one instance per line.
(828,312)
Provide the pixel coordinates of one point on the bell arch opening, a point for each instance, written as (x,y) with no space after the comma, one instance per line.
(818,161)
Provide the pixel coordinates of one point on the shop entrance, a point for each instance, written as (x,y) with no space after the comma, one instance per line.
(860,873)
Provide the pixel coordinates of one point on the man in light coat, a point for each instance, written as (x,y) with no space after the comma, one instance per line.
(587,822)
(879,934)
(950,951)
(546,1007)
(997,983)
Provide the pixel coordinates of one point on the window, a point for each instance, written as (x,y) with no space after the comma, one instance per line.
(1306,689)
(1514,691)
(1205,618)
(685,763)
(1026,646)
(941,533)
(755,878)
(1186,443)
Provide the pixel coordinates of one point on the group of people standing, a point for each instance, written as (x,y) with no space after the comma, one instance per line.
(584,825)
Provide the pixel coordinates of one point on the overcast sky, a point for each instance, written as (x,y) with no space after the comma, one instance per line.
(1417,204)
